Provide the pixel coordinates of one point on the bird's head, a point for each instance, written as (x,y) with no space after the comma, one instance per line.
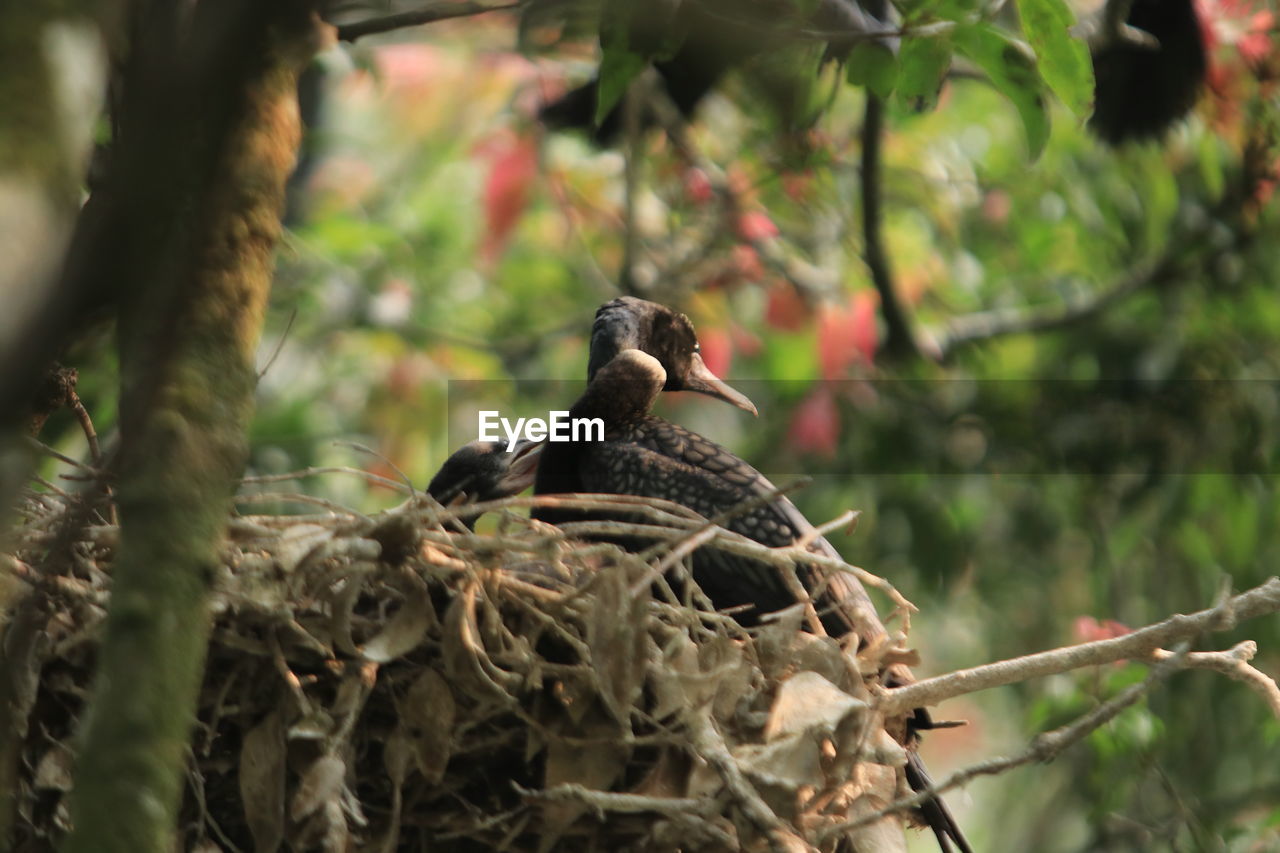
(636,324)
(485,471)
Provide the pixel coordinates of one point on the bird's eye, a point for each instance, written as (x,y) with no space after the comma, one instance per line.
(697,347)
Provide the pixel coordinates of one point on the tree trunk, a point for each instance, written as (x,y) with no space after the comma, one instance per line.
(208,132)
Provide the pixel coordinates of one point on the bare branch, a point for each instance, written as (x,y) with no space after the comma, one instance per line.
(429,15)
(1233,663)
(1044,747)
(1139,645)
(985,325)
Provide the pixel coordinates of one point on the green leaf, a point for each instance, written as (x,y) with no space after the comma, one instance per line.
(618,67)
(1063,61)
(922,63)
(1012,72)
(872,64)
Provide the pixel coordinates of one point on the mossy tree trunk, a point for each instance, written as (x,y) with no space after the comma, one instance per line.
(207,135)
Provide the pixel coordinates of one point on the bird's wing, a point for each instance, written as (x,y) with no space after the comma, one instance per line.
(660,459)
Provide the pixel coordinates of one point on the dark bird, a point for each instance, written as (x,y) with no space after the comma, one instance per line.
(1142,90)
(633,342)
(695,45)
(485,471)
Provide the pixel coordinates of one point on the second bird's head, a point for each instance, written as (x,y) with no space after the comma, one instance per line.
(631,323)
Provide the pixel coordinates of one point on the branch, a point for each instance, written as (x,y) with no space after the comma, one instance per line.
(1044,747)
(808,280)
(1143,644)
(985,325)
(1233,663)
(429,15)
(898,340)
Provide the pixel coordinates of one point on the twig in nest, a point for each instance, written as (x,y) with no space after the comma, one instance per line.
(355,445)
(709,744)
(261,479)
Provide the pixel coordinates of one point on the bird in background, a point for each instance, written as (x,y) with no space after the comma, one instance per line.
(1141,90)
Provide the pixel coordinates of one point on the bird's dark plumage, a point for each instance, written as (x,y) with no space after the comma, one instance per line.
(648,456)
(485,471)
(652,457)
(695,45)
(1141,91)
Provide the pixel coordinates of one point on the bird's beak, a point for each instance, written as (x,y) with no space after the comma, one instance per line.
(523,469)
(702,380)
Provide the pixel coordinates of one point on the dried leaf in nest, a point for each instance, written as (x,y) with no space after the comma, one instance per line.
(775,639)
(729,675)
(425,728)
(53,773)
(618,639)
(809,703)
(590,754)
(26,646)
(320,805)
(321,784)
(677,682)
(408,626)
(298,542)
(262,782)
(399,537)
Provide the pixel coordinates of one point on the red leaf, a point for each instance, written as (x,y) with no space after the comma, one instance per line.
(847,335)
(798,185)
(755,225)
(866,334)
(745,342)
(815,426)
(513,165)
(785,310)
(717,350)
(697,186)
(1087,629)
(746,263)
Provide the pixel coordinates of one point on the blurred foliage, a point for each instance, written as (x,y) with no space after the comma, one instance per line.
(1118,467)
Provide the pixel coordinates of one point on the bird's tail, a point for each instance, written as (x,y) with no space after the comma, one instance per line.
(934,810)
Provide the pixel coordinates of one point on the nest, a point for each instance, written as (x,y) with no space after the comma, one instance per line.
(396,682)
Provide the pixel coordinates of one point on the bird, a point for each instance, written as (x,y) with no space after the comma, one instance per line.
(1142,90)
(694,45)
(634,344)
(482,471)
